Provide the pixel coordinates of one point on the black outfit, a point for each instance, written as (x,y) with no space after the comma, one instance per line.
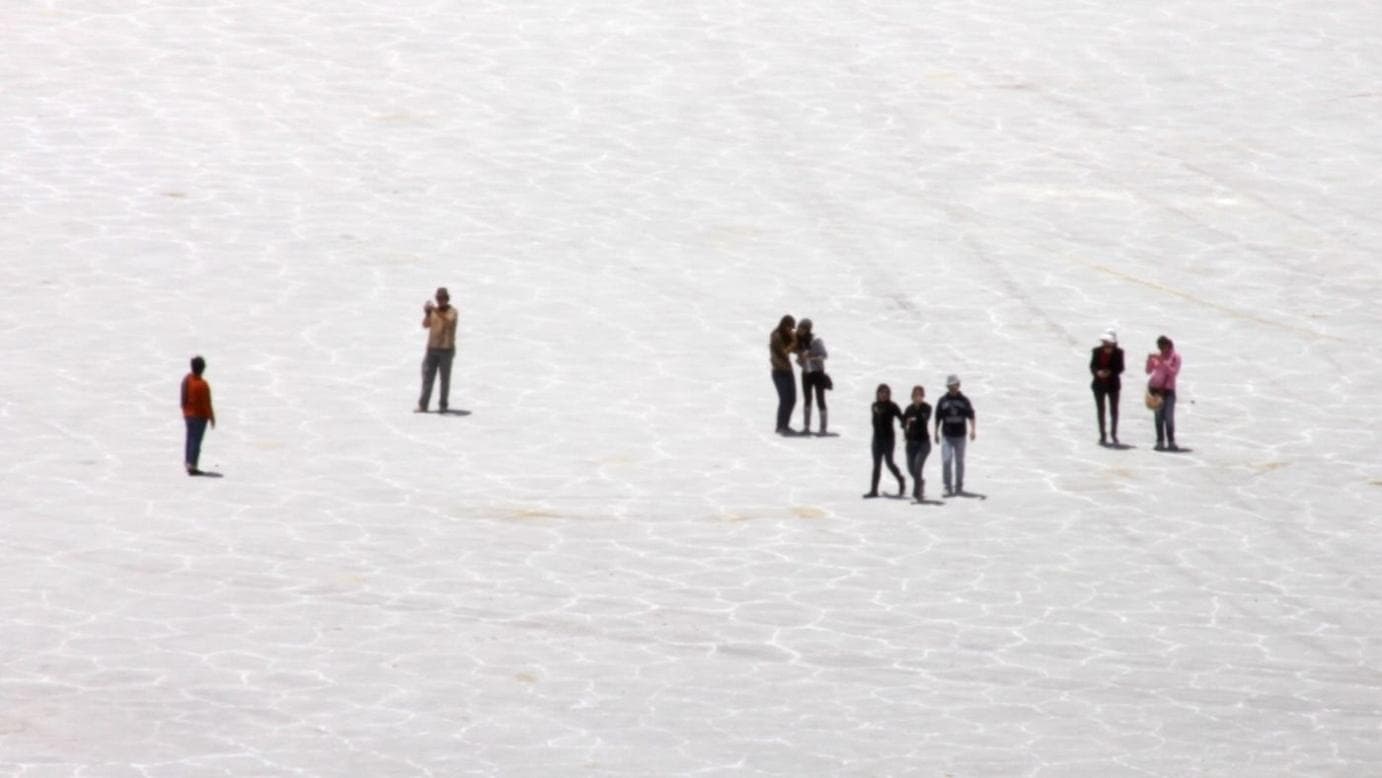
(951,412)
(1106,388)
(883,444)
(914,419)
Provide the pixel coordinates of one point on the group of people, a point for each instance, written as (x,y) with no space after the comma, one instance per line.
(954,414)
(793,338)
(1162,368)
(954,417)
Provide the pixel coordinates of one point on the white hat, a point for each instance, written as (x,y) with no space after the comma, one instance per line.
(1109,336)
(952,380)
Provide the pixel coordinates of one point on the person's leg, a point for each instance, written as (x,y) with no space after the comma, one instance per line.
(429,374)
(820,400)
(1159,421)
(806,383)
(782,380)
(444,360)
(1168,414)
(960,463)
(196,429)
(947,463)
(913,450)
(188,446)
(877,450)
(1113,414)
(892,468)
(922,454)
(1099,394)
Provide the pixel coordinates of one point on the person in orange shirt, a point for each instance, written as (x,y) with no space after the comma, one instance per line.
(196,412)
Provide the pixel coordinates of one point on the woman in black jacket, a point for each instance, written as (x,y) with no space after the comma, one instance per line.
(916,419)
(884,441)
(1106,365)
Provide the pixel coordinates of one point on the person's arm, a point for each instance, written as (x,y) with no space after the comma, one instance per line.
(938,420)
(185,379)
(1173,366)
(973,425)
(1094,363)
(1153,360)
(1117,362)
(427,309)
(210,409)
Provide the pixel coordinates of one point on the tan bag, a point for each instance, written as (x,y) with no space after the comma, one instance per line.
(1153,399)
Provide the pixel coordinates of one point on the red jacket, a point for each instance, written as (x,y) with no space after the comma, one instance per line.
(196,398)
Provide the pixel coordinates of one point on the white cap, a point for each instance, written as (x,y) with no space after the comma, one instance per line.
(952,380)
(1109,336)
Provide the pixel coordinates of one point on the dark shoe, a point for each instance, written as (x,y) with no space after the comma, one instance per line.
(193,471)
(1103,441)
(901,487)
(870,495)
(1172,446)
(1159,446)
(1115,441)
(420,409)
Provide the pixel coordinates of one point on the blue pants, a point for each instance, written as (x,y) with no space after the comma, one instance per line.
(196,429)
(786,397)
(917,451)
(1165,418)
(953,457)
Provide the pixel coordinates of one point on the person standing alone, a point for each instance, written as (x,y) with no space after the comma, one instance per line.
(1106,367)
(952,411)
(781,344)
(440,322)
(196,413)
(1164,366)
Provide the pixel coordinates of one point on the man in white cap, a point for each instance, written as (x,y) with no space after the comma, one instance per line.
(952,411)
(1106,365)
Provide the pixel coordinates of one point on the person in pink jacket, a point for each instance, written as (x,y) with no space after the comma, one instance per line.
(1163,365)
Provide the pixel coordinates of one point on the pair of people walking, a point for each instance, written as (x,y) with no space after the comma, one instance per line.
(1106,369)
(791,337)
(954,414)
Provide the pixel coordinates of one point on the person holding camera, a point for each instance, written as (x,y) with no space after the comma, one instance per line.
(440,322)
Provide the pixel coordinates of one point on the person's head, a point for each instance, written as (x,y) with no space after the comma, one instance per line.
(884,393)
(918,393)
(1164,344)
(1109,339)
(443,296)
(804,328)
(198,365)
(952,384)
(786,324)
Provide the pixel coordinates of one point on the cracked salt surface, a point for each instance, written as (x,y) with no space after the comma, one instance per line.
(612,566)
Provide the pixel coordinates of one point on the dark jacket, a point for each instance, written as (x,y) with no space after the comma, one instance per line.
(883,415)
(915,419)
(951,412)
(1114,366)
